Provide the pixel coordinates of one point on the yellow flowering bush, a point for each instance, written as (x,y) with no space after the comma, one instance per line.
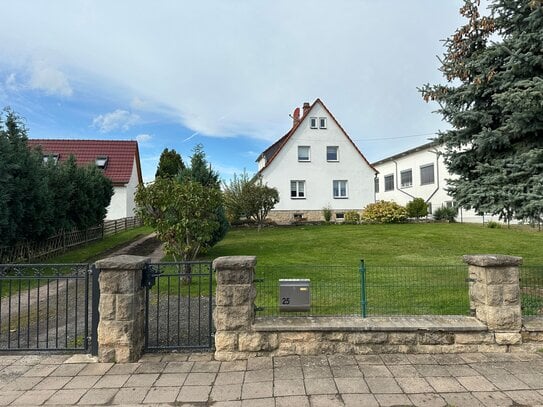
(384,212)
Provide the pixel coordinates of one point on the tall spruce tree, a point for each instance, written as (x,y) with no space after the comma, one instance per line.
(494,102)
(170,164)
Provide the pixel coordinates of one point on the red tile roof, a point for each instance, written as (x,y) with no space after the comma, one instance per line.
(121,155)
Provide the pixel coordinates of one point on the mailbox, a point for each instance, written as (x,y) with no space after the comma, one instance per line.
(294,295)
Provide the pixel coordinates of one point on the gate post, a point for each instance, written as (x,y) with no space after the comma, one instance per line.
(122,302)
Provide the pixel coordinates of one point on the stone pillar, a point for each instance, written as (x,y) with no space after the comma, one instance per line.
(122,316)
(494,293)
(234,311)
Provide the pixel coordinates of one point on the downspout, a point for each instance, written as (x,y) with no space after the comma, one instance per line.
(397,180)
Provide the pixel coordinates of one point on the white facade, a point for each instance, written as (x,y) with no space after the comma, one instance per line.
(122,202)
(317,168)
(428,181)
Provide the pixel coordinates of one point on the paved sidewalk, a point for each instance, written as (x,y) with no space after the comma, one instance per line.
(471,379)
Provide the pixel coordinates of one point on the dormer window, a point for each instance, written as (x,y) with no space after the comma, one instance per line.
(313,122)
(101,161)
(322,122)
(52,157)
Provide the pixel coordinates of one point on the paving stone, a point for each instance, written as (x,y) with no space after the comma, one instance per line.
(461,399)
(493,398)
(358,400)
(200,379)
(393,399)
(15,370)
(229,403)
(414,385)
(445,384)
(489,368)
(98,396)
(162,395)
(234,366)
(40,370)
(257,390)
(206,367)
(68,369)
(94,369)
(369,360)
(64,397)
(264,402)
(151,357)
(375,371)
(229,378)
(501,357)
(351,385)
(316,371)
(292,387)
(9,359)
(403,371)
(432,370)
(314,361)
(22,383)
(449,359)
(395,359)
(111,381)
(383,385)
(175,357)
(341,360)
(320,386)
(82,382)
(178,367)
(286,361)
(200,357)
(259,363)
(473,357)
(226,392)
(171,379)
(461,370)
(507,382)
(141,380)
(151,367)
(261,375)
(194,394)
(527,397)
(7,396)
(123,368)
(325,400)
(427,400)
(534,380)
(476,383)
(291,372)
(130,395)
(30,360)
(33,397)
(421,359)
(52,383)
(347,371)
(292,401)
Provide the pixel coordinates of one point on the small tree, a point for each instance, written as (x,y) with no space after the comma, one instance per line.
(234,199)
(417,208)
(170,164)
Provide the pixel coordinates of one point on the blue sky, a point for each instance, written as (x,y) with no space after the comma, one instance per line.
(225,74)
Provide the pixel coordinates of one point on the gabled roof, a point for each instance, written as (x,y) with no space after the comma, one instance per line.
(271,152)
(121,155)
(407,152)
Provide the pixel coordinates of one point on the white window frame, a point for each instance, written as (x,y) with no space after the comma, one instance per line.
(322,122)
(339,195)
(406,185)
(385,186)
(313,122)
(337,154)
(308,154)
(433,174)
(101,161)
(298,182)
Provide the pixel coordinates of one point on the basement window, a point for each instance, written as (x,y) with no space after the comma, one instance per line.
(101,161)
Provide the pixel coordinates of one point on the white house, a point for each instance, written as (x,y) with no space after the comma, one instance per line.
(316,165)
(119,159)
(419,173)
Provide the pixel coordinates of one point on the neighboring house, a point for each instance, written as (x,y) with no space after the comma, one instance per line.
(419,173)
(316,165)
(119,160)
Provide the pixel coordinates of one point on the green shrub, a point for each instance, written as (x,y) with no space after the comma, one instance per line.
(352,217)
(417,208)
(327,213)
(384,212)
(445,214)
(493,225)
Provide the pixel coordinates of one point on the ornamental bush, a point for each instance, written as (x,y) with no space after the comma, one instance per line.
(351,217)
(384,212)
(445,214)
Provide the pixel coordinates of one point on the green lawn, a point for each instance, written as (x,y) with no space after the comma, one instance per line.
(411,268)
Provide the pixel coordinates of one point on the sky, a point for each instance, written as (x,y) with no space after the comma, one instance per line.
(225,73)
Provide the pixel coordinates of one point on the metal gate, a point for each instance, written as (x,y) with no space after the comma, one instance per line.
(179,305)
(48,307)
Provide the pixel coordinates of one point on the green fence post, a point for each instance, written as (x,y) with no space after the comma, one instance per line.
(363,287)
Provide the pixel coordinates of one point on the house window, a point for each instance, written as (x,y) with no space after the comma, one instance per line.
(298,216)
(297,189)
(322,122)
(332,153)
(340,216)
(389,182)
(52,157)
(449,204)
(376,185)
(101,161)
(406,178)
(429,205)
(303,153)
(313,122)
(427,174)
(340,189)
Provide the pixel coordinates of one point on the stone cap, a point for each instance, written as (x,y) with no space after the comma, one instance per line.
(489,260)
(234,262)
(122,262)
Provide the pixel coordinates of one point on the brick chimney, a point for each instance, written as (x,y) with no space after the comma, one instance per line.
(306,108)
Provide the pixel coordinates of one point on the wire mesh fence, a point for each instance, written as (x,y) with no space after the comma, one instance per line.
(531,290)
(368,290)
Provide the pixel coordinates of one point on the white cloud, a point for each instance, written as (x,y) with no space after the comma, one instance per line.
(11,83)
(49,80)
(143,138)
(116,120)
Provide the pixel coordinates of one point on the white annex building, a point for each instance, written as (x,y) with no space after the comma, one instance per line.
(317,165)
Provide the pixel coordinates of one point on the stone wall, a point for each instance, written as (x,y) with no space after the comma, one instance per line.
(287,217)
(494,298)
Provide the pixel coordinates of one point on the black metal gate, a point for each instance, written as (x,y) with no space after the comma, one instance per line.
(48,307)
(179,305)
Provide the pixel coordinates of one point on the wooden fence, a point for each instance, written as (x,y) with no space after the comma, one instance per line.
(31,251)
